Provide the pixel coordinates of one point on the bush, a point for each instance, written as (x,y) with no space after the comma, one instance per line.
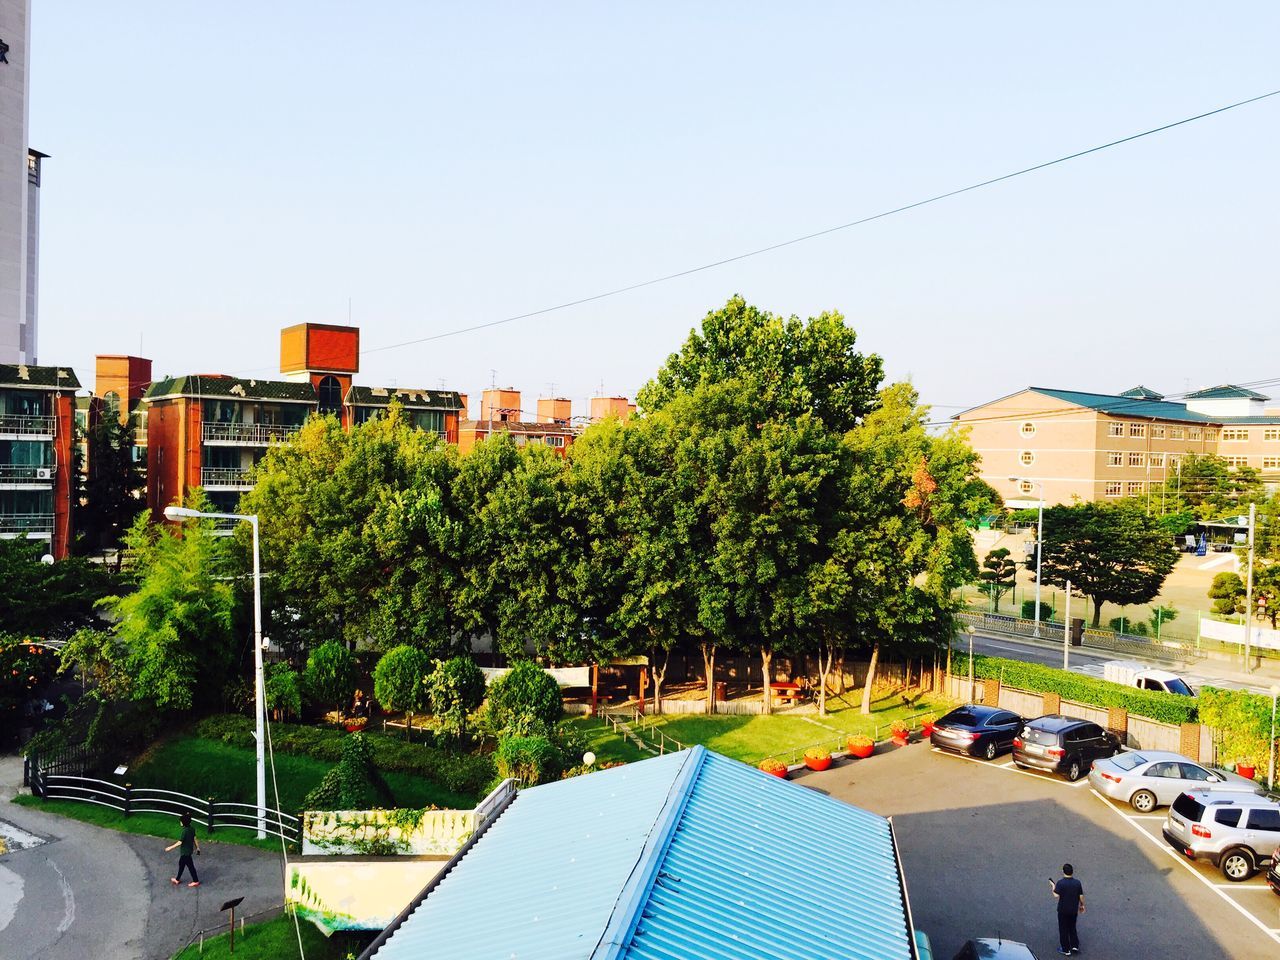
(524,697)
(283,688)
(354,784)
(1165,707)
(1243,721)
(455,689)
(398,681)
(530,760)
(330,677)
(1029,610)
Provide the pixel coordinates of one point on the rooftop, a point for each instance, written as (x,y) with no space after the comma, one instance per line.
(1226,391)
(1133,404)
(359,396)
(517,426)
(685,855)
(27,375)
(217,386)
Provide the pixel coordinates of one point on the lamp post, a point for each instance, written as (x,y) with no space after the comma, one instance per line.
(179,514)
(1039,545)
(1248,592)
(1271,746)
(970,631)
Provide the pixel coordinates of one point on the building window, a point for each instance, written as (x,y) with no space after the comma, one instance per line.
(1235,434)
(1271,463)
(553,441)
(1137,429)
(1235,463)
(1113,488)
(1134,489)
(1211,433)
(1271,434)
(1026,486)
(1028,429)
(1115,459)
(1026,456)
(1193,433)
(330,395)
(1157,460)
(1137,459)
(1115,429)
(1157,431)
(1176,433)
(1175,461)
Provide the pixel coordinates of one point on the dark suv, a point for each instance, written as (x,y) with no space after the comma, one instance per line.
(1066,745)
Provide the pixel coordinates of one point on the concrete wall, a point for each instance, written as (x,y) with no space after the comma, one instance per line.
(357,893)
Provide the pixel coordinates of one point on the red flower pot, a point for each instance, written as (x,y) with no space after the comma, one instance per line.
(816,763)
(861,751)
(1246,770)
(355,727)
(900,741)
(780,774)
(926,730)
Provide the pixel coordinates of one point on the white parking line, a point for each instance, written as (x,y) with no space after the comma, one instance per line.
(1164,847)
(1243,886)
(1146,816)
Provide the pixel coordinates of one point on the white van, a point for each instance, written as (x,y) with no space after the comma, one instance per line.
(1134,674)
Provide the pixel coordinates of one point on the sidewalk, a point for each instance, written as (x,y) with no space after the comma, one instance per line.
(86,891)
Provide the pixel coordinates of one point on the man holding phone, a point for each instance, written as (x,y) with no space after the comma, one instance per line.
(1070,896)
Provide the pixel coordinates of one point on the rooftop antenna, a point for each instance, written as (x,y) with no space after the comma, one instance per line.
(493,379)
(348,311)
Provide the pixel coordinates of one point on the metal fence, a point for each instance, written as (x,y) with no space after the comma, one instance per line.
(1126,643)
(128,800)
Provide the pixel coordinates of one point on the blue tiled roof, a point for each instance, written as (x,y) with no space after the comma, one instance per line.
(1227,391)
(682,856)
(1122,406)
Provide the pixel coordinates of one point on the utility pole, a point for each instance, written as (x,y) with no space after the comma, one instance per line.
(1066,629)
(1248,590)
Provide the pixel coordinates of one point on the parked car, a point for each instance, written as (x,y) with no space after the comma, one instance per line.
(1146,779)
(1130,673)
(997,949)
(1236,832)
(1273,875)
(976,730)
(1066,745)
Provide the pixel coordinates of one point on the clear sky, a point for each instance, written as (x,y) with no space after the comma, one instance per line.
(221,170)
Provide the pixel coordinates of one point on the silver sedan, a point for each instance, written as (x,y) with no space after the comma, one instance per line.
(1146,779)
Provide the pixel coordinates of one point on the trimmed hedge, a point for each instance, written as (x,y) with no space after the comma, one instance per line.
(1243,720)
(463,773)
(1165,707)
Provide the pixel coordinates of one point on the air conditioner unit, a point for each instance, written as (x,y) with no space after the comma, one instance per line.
(44,473)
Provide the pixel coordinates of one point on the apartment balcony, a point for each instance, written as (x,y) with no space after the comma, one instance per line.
(16,427)
(225,478)
(20,476)
(247,434)
(34,525)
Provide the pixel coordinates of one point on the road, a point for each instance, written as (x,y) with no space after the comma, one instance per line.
(1083,660)
(69,890)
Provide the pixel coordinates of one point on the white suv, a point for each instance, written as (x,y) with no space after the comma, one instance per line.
(1235,832)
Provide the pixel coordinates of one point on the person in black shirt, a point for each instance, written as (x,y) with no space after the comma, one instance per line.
(187,843)
(1070,896)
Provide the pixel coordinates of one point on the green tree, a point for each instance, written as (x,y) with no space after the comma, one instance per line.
(998,575)
(283,689)
(354,783)
(330,674)
(114,488)
(455,689)
(1112,553)
(524,699)
(400,681)
(50,600)
(1206,486)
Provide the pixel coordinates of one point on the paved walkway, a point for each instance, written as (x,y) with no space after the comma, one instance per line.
(69,890)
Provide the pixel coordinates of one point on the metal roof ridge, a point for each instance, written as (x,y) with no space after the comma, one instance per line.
(629,906)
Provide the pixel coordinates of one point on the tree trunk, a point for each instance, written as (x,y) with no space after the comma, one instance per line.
(658,677)
(840,676)
(826,656)
(871,677)
(408,725)
(1097,613)
(709,669)
(766,660)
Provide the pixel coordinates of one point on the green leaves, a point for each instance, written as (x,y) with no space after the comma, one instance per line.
(330,675)
(455,689)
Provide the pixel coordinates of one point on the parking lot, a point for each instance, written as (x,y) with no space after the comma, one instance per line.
(981,841)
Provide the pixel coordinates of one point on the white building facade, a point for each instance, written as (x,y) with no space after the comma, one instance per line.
(19,183)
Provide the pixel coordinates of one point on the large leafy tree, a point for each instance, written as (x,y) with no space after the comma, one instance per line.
(1112,553)
(50,600)
(1207,487)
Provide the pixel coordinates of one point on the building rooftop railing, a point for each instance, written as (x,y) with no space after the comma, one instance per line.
(252,434)
(26,523)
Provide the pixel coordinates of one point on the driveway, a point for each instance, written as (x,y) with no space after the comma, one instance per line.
(980,842)
(69,890)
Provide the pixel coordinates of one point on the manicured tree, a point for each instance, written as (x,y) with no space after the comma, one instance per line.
(525,698)
(330,674)
(997,576)
(283,688)
(455,689)
(399,681)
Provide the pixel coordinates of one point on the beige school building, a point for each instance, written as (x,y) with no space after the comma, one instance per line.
(1069,445)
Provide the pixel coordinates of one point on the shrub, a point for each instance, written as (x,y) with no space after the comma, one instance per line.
(283,688)
(398,681)
(354,784)
(523,697)
(531,760)
(1152,704)
(455,689)
(330,676)
(1243,722)
(1029,610)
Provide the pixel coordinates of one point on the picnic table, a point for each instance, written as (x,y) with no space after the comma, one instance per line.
(788,690)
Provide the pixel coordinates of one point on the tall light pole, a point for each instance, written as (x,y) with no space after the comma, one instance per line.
(969,630)
(1248,591)
(179,514)
(1039,545)
(1271,746)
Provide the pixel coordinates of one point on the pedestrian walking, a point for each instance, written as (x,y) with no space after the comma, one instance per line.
(186,844)
(1070,896)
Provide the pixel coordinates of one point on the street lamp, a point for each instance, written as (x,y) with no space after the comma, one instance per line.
(1271,746)
(179,514)
(1039,545)
(970,631)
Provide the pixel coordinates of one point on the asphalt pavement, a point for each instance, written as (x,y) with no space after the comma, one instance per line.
(70,890)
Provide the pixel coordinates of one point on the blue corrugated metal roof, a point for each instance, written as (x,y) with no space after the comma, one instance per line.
(682,856)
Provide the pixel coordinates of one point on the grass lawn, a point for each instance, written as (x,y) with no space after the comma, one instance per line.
(148,824)
(752,738)
(210,768)
(277,940)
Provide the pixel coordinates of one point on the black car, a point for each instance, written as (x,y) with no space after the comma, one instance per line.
(976,730)
(1273,875)
(1066,745)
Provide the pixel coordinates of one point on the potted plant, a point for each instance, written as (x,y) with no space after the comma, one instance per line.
(1246,769)
(774,766)
(355,724)
(899,732)
(817,758)
(861,746)
(926,724)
